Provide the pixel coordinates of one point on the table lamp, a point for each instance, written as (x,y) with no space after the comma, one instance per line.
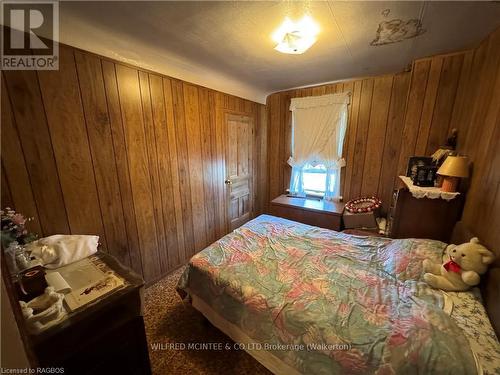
(453,168)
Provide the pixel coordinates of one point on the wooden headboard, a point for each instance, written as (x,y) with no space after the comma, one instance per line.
(490,282)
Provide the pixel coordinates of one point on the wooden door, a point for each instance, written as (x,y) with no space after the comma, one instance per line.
(239,171)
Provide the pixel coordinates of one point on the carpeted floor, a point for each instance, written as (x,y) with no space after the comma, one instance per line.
(169,320)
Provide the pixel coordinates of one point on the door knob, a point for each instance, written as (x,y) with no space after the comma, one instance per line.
(228,182)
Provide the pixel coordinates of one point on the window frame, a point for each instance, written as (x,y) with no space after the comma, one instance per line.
(312,169)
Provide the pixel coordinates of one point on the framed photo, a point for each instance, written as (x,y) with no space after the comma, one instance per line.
(417,161)
(426,176)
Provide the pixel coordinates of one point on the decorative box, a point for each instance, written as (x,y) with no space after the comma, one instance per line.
(360,220)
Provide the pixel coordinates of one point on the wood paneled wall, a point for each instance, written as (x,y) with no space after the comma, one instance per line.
(99,147)
(138,158)
(479,124)
(391,118)
(396,116)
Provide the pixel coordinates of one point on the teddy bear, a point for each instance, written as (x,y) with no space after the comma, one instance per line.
(461,268)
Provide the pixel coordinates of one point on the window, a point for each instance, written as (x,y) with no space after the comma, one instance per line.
(319,125)
(314,179)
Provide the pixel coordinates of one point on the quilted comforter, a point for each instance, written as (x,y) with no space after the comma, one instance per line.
(330,303)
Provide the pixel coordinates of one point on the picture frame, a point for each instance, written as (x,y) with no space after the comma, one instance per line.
(417,161)
(426,176)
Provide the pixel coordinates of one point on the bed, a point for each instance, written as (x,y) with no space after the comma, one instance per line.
(306,300)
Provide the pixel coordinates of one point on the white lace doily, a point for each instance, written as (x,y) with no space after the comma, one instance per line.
(427,192)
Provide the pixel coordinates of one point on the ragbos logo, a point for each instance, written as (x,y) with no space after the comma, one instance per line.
(24,24)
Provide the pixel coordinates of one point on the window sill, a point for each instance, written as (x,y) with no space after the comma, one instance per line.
(316,196)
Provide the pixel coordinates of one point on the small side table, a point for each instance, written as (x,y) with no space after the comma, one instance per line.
(106,336)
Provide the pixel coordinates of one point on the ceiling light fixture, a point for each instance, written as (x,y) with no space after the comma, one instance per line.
(296,37)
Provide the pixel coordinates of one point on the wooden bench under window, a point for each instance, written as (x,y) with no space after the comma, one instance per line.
(317,212)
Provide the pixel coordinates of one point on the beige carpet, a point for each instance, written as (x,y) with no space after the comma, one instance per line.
(169,320)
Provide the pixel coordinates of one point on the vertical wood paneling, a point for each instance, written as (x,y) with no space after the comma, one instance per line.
(461,107)
(428,106)
(164,168)
(487,218)
(473,95)
(135,157)
(481,212)
(361,136)
(391,118)
(395,122)
(348,87)
(284,170)
(275,158)
(217,163)
(6,197)
(121,161)
(413,113)
(103,156)
(220,140)
(485,100)
(195,164)
(149,129)
(445,100)
(29,116)
(376,134)
(352,128)
(65,119)
(207,121)
(14,165)
(174,168)
(135,140)
(482,206)
(260,168)
(183,165)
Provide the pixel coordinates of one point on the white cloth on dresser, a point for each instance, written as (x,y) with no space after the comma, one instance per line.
(58,250)
(427,192)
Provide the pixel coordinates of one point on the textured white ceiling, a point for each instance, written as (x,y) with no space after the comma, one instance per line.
(227,45)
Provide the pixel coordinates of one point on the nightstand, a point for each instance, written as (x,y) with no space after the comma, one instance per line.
(106,336)
(424,217)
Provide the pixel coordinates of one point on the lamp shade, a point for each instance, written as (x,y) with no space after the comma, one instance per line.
(455,166)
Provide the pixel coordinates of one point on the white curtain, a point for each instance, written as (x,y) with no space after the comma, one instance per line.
(319,127)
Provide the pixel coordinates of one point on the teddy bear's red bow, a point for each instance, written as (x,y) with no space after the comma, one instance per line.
(451,266)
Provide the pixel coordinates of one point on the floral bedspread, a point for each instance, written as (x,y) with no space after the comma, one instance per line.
(353,305)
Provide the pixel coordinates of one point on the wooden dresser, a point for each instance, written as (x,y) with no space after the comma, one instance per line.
(411,217)
(106,336)
(317,212)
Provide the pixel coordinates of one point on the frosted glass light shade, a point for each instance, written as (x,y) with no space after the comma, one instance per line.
(296,37)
